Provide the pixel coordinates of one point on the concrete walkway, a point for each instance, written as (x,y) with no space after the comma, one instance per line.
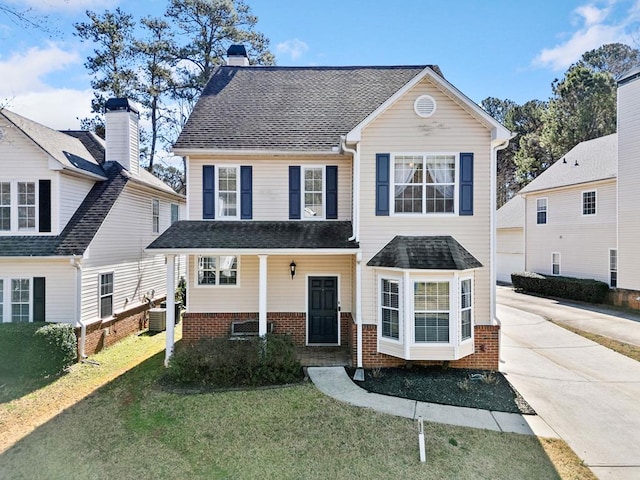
(334,382)
(587,393)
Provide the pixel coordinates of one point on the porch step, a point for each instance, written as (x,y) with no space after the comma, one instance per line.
(324,356)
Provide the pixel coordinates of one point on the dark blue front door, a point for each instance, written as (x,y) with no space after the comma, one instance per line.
(323,310)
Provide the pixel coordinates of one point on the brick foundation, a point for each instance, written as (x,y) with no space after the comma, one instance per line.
(104,334)
(486,356)
(200,325)
(624,298)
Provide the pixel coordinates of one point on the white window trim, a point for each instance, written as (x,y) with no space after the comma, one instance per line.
(112,294)
(456,187)
(472,308)
(13,207)
(595,213)
(196,271)
(155,218)
(218,215)
(453,311)
(401,315)
(303,168)
(612,270)
(559,263)
(546,203)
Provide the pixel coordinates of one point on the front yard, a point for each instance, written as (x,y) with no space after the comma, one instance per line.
(132,428)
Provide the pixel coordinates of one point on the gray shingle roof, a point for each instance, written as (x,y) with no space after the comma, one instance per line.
(597,160)
(288,108)
(239,235)
(81,228)
(511,214)
(424,253)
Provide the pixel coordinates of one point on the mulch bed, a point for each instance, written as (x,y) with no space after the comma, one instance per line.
(447,386)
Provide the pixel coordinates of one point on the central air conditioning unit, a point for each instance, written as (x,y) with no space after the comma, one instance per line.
(157,319)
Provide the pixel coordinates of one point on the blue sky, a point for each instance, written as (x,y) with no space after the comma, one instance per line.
(501,48)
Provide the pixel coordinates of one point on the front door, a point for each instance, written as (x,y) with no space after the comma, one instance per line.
(323,310)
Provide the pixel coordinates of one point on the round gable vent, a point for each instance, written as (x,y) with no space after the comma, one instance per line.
(424,106)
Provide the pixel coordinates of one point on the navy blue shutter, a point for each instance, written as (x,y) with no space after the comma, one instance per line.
(208,192)
(39,293)
(294,192)
(466,184)
(44,205)
(382,183)
(246,192)
(332,192)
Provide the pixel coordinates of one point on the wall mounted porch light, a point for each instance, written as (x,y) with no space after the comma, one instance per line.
(292,269)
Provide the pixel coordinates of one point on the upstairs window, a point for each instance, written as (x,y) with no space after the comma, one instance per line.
(218,270)
(424,183)
(175,213)
(541,211)
(589,203)
(155,215)
(313,194)
(26,205)
(228,186)
(5,206)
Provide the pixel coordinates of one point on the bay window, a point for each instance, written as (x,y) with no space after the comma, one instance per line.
(390,305)
(466,303)
(431,311)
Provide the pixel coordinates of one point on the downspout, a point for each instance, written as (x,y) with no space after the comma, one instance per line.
(494,196)
(76,261)
(356,188)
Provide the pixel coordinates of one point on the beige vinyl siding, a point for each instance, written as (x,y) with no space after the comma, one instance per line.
(271,183)
(509,253)
(628,182)
(119,247)
(69,193)
(583,241)
(284,294)
(59,284)
(451,129)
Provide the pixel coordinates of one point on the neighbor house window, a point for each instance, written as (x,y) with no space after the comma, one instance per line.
(613,268)
(228,186)
(5,206)
(541,211)
(219,270)
(175,213)
(555,263)
(466,300)
(20,300)
(313,185)
(424,183)
(390,304)
(26,205)
(106,295)
(156,216)
(589,203)
(431,312)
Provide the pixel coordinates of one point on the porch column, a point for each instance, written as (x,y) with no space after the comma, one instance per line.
(262,297)
(171,310)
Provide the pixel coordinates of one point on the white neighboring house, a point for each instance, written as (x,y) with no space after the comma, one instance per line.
(569,214)
(75,216)
(628,188)
(510,239)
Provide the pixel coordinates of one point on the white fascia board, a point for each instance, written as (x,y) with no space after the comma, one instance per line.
(191,152)
(498,132)
(252,251)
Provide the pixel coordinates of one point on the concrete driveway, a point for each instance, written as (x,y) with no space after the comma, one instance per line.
(588,394)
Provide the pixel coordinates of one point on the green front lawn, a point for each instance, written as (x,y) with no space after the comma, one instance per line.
(133,429)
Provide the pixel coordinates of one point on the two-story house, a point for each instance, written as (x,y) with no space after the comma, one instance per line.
(75,216)
(344,206)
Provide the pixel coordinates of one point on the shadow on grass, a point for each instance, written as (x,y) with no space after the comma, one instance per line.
(13,386)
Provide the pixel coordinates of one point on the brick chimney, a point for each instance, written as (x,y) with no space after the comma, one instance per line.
(237,56)
(121,130)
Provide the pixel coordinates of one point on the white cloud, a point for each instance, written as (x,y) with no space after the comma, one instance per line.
(63,5)
(294,48)
(24,72)
(59,109)
(596,30)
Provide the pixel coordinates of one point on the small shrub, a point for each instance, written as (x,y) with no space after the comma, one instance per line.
(585,290)
(377,372)
(224,363)
(464,385)
(490,378)
(36,350)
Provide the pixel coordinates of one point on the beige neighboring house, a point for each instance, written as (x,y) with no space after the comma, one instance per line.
(570,214)
(629,188)
(75,216)
(510,239)
(346,206)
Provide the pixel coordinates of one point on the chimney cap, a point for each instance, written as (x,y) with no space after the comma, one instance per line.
(114,104)
(237,51)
